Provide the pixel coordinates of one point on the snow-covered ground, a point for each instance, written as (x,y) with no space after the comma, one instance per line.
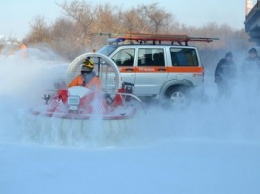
(211,147)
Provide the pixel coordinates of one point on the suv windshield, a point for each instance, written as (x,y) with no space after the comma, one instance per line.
(107,50)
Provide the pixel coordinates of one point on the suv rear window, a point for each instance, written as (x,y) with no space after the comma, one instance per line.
(184,57)
(151,57)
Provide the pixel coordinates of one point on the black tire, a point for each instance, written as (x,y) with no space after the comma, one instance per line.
(178,97)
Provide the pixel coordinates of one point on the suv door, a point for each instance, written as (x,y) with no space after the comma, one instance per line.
(186,66)
(144,67)
(124,58)
(150,71)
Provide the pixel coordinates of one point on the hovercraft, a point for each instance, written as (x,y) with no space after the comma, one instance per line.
(76,113)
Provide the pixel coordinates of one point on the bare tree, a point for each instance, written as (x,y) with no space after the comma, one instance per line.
(105,18)
(39,32)
(65,38)
(157,19)
(81,12)
(132,21)
(71,34)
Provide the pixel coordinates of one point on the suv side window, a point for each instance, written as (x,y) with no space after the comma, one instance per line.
(124,57)
(151,57)
(184,57)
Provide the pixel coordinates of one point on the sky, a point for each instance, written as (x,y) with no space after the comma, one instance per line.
(16,15)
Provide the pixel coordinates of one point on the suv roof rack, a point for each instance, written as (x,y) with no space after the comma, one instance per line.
(143,38)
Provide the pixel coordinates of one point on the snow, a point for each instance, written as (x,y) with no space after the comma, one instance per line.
(212,147)
(165,167)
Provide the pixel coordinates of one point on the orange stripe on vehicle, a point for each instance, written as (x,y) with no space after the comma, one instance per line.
(186,69)
(156,69)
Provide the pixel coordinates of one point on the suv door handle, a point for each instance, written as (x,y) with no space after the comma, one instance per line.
(161,69)
(129,69)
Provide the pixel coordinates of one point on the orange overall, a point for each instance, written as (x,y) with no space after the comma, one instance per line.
(93,84)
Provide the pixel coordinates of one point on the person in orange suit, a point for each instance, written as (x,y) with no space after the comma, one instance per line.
(88,77)
(23,50)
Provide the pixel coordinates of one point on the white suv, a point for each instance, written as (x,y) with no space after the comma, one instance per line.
(167,71)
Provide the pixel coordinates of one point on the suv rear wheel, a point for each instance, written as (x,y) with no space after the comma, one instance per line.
(178,97)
